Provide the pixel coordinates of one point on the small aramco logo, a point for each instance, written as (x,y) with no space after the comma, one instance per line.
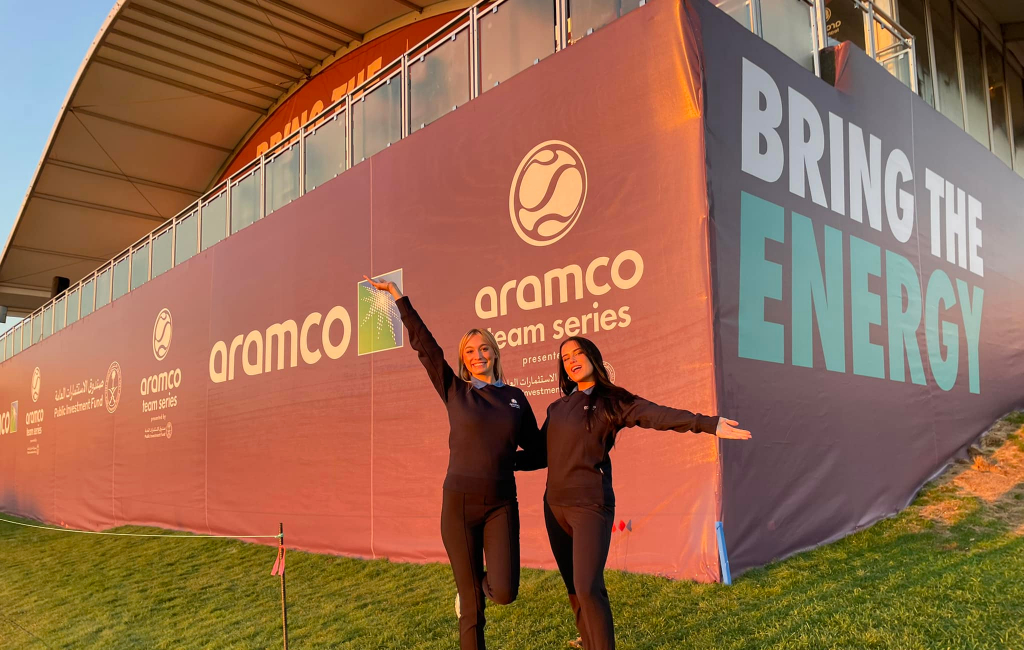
(112,387)
(162,330)
(380,324)
(548,192)
(37,383)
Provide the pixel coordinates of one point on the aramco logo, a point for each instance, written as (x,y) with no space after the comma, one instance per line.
(9,420)
(37,383)
(548,192)
(112,387)
(162,334)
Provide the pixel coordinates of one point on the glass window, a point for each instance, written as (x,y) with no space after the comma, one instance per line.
(586,15)
(162,260)
(512,36)
(325,152)
(282,178)
(140,266)
(245,201)
(18,339)
(121,278)
(47,322)
(88,291)
(844,21)
(103,288)
(950,102)
(997,102)
(9,344)
(3,348)
(1015,86)
(439,80)
(377,119)
(59,309)
(786,24)
(37,328)
(738,9)
(72,308)
(974,80)
(186,238)
(215,214)
(912,18)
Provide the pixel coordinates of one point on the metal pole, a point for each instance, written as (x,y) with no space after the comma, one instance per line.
(562,34)
(262,185)
(474,55)
(302,160)
(913,64)
(284,608)
(870,17)
(404,97)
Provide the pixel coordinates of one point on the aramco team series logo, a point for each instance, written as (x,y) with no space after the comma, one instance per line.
(162,334)
(380,324)
(548,192)
(112,387)
(37,384)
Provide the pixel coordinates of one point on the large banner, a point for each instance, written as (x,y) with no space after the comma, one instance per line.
(869,290)
(259,383)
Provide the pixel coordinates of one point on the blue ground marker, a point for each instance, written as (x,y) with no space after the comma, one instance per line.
(723,557)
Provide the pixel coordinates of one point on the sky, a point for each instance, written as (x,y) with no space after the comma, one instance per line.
(42,47)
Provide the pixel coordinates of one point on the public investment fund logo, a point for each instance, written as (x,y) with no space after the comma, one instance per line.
(380,324)
(37,383)
(162,334)
(112,387)
(548,192)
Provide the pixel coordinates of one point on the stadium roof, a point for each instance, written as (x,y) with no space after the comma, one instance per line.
(168,92)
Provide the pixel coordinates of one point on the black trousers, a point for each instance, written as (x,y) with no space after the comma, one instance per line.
(473,527)
(580,537)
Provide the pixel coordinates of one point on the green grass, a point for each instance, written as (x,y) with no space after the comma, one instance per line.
(907,582)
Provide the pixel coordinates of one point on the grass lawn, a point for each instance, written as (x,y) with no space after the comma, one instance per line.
(946,573)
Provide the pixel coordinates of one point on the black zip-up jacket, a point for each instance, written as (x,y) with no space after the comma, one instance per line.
(577,458)
(487,424)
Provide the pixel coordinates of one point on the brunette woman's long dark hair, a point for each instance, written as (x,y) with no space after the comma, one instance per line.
(608,396)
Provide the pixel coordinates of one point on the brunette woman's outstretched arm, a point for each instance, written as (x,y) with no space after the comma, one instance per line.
(647,414)
(430,353)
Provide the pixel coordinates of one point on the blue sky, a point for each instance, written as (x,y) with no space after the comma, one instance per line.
(43,46)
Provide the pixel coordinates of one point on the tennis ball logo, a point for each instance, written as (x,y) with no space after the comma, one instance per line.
(37,383)
(162,334)
(548,192)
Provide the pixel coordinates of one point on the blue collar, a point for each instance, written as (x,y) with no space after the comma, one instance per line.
(480,384)
(586,392)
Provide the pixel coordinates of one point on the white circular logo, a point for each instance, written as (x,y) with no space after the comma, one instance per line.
(112,387)
(548,192)
(162,334)
(610,370)
(37,383)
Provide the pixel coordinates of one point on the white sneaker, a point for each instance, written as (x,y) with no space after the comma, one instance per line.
(458,607)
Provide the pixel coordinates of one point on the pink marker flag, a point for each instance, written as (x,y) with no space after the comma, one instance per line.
(278,569)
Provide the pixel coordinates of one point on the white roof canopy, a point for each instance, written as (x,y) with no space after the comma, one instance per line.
(165,97)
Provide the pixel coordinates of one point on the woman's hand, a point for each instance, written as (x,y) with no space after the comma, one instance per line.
(727,429)
(385,286)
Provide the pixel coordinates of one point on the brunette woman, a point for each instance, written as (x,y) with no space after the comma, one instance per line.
(579,503)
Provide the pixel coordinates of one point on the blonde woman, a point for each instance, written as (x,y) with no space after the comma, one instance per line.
(479,513)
